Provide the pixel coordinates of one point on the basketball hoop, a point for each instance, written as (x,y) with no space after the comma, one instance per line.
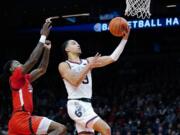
(139,8)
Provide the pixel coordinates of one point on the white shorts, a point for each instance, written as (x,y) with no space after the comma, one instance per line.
(83,115)
(43,126)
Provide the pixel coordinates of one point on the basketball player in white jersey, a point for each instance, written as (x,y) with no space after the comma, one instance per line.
(76,74)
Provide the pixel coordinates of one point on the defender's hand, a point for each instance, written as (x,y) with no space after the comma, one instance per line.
(51,18)
(46,28)
(47,44)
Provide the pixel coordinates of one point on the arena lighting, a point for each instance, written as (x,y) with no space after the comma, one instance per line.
(170,6)
(108,16)
(100,27)
(158,22)
(142,24)
(69,28)
(71,19)
(80,28)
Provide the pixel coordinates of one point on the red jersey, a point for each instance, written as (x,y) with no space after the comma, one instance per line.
(21,91)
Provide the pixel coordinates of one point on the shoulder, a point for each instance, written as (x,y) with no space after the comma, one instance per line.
(18,72)
(63,65)
(64,68)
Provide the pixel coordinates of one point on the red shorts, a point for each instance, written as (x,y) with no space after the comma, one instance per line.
(22,123)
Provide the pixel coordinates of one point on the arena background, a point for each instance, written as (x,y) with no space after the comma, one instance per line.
(139,94)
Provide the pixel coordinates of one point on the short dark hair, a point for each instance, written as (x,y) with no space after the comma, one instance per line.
(6,68)
(4,77)
(64,45)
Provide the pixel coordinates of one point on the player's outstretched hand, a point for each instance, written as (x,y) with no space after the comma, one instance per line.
(51,18)
(94,60)
(46,28)
(47,25)
(126,33)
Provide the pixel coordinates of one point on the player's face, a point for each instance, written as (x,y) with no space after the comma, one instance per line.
(73,47)
(15,64)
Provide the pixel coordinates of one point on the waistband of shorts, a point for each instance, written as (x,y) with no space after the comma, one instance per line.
(16,111)
(81,99)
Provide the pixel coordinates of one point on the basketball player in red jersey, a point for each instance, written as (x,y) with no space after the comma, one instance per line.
(22,122)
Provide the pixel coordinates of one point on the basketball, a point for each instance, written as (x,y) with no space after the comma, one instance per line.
(118,26)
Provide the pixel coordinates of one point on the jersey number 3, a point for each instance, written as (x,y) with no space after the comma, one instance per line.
(86,80)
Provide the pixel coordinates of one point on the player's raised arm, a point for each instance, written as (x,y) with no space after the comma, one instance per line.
(35,55)
(35,74)
(106,60)
(76,78)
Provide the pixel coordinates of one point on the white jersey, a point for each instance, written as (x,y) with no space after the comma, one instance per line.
(84,90)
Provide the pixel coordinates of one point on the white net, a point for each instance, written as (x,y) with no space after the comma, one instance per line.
(139,8)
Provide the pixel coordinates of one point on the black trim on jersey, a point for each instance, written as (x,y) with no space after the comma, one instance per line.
(23,108)
(90,120)
(68,64)
(86,80)
(87,60)
(20,111)
(81,99)
(75,62)
(30,126)
(86,132)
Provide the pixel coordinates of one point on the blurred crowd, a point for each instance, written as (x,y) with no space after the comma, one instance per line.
(142,100)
